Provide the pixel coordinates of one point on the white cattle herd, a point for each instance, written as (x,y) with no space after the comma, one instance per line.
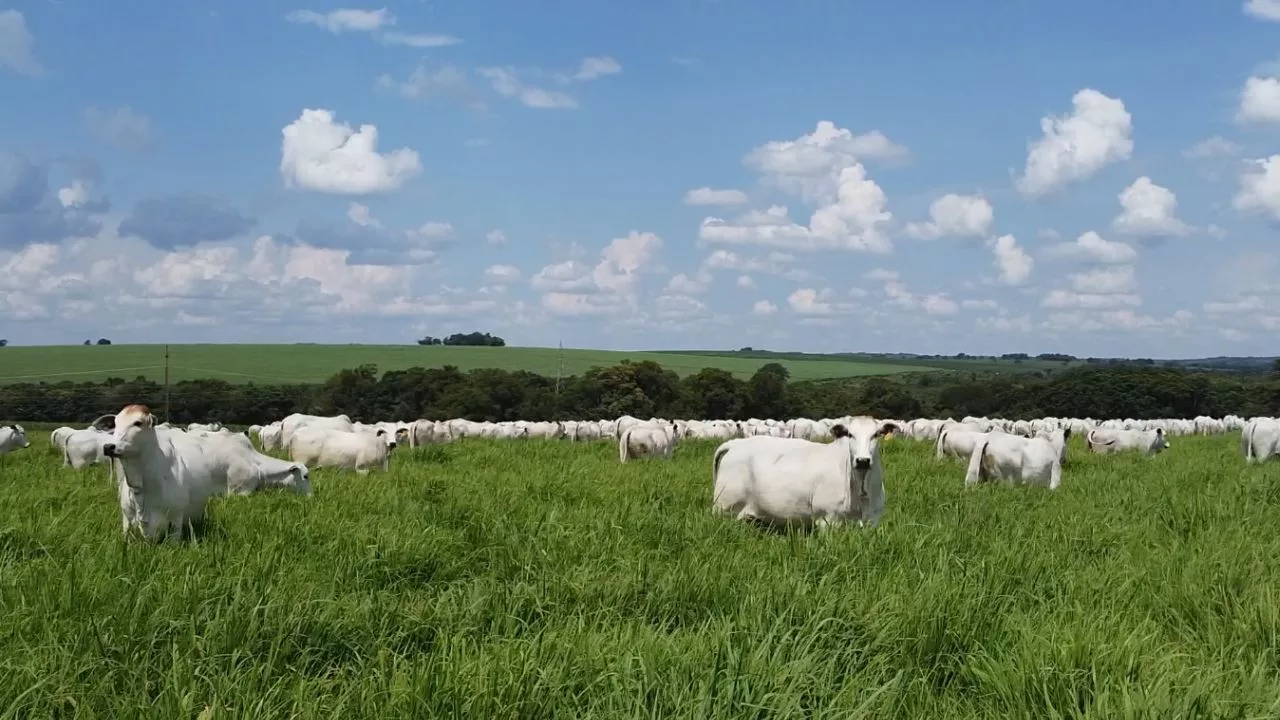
(810,472)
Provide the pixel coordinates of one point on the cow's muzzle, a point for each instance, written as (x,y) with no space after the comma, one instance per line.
(109,450)
(862,463)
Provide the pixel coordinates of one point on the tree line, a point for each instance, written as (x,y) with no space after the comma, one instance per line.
(476,339)
(645,389)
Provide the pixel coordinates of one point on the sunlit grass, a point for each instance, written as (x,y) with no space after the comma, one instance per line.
(542,579)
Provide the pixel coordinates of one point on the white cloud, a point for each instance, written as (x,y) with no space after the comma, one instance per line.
(595,67)
(1094,247)
(1105,280)
(321,155)
(1014,264)
(775,263)
(1260,191)
(17,45)
(344,20)
(1259,101)
(1216,146)
(496,237)
(807,301)
(980,305)
(1097,133)
(359,214)
(502,274)
(507,83)
(939,304)
(811,164)
(682,284)
(1263,9)
(955,215)
(1149,210)
(610,287)
(418,40)
(745,282)
(708,196)
(1005,323)
(764,307)
(74,195)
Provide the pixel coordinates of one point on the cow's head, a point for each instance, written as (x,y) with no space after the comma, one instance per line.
(863,435)
(1161,441)
(134,429)
(18,436)
(297,479)
(387,437)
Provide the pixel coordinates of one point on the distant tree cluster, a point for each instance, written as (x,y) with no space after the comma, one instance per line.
(646,389)
(101,341)
(4,342)
(475,339)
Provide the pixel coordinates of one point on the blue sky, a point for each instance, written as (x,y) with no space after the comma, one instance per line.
(1093,178)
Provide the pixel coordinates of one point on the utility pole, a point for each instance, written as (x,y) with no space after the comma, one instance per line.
(560,370)
(166,383)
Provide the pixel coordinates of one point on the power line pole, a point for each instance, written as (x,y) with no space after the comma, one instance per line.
(560,370)
(166,383)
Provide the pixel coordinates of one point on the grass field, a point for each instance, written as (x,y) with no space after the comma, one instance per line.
(315,363)
(544,580)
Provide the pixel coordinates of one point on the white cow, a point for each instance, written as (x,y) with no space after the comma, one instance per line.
(789,480)
(1001,456)
(13,437)
(359,451)
(291,423)
(83,448)
(645,440)
(58,438)
(957,441)
(1260,439)
(166,477)
(1106,440)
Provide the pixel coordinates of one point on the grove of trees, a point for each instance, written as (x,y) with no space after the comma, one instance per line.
(645,389)
(477,339)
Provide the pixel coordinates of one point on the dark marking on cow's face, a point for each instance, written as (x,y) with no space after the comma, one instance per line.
(839,431)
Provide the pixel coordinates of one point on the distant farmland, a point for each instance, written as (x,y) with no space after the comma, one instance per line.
(302,363)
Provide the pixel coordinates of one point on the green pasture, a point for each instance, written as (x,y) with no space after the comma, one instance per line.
(301,363)
(541,579)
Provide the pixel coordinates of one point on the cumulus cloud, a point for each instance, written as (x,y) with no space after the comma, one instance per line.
(447,82)
(594,67)
(496,237)
(1093,247)
(1212,147)
(121,127)
(507,83)
(321,155)
(502,274)
(1263,9)
(1260,188)
(1259,101)
(17,46)
(774,263)
(1149,210)
(1013,263)
(375,22)
(708,196)
(764,307)
(30,212)
(176,221)
(1074,147)
(957,216)
(609,287)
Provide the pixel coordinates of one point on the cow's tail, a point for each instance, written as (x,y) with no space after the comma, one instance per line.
(974,474)
(624,441)
(940,444)
(1250,454)
(1088,440)
(715,459)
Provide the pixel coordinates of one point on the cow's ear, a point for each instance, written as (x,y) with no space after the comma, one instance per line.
(104,422)
(888,428)
(151,419)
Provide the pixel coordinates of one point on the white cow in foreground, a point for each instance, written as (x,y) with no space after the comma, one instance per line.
(789,480)
(13,437)
(165,477)
(350,450)
(646,441)
(1106,440)
(1260,439)
(1014,458)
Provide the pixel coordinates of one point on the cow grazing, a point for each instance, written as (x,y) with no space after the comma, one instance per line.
(957,441)
(165,477)
(1260,439)
(1107,440)
(646,441)
(350,450)
(13,437)
(789,480)
(1001,456)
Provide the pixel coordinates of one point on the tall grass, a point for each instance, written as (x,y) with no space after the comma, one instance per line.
(544,580)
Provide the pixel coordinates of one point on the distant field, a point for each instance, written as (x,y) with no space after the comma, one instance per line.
(315,363)
(970,364)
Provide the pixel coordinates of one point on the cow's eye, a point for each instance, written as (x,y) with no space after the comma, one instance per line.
(138,424)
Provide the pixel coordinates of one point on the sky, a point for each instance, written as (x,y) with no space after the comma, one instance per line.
(1093,178)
